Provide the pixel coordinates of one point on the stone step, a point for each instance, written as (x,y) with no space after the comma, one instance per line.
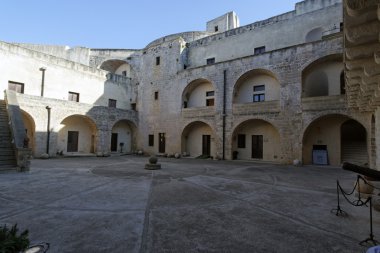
(9,161)
(6,152)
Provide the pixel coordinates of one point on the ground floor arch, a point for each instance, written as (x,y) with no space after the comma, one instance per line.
(30,131)
(333,139)
(256,139)
(77,134)
(122,136)
(198,139)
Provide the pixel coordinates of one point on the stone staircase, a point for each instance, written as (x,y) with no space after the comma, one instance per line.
(354,152)
(7,153)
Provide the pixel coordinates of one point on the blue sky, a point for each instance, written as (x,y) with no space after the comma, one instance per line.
(120,23)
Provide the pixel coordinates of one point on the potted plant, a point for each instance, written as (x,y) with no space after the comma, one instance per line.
(11,241)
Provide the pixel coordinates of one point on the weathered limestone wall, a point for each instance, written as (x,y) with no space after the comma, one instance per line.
(22,65)
(103,119)
(241,41)
(79,55)
(223,23)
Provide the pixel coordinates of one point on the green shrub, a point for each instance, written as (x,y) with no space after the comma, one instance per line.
(10,242)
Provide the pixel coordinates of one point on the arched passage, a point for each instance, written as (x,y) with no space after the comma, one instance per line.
(198,139)
(353,142)
(329,140)
(257,85)
(198,93)
(323,77)
(115,66)
(256,139)
(30,128)
(77,133)
(122,136)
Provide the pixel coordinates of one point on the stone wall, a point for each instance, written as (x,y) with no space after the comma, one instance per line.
(103,118)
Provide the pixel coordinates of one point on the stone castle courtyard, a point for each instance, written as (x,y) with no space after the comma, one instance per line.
(91,204)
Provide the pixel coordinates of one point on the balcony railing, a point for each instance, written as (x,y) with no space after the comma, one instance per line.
(118,78)
(258,107)
(196,112)
(324,103)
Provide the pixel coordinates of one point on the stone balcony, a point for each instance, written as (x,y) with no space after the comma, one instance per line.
(324,103)
(255,108)
(118,78)
(198,112)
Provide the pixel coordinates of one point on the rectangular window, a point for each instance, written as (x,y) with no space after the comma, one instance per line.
(341,26)
(158,60)
(258,97)
(258,93)
(156,95)
(151,140)
(258,88)
(17,87)
(112,103)
(73,96)
(216,28)
(241,141)
(124,73)
(133,106)
(210,102)
(210,61)
(210,93)
(259,50)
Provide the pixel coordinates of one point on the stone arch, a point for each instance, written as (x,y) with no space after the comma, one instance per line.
(123,131)
(76,134)
(324,141)
(314,35)
(323,76)
(30,128)
(198,138)
(256,139)
(112,65)
(199,93)
(244,89)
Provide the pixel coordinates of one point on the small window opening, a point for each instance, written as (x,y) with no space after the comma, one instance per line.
(259,50)
(158,60)
(210,61)
(151,140)
(258,93)
(112,103)
(73,96)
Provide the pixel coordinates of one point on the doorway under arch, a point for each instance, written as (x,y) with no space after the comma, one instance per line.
(256,139)
(77,134)
(333,139)
(122,136)
(198,139)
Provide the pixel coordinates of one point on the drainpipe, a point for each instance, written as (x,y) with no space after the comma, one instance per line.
(43,81)
(48,130)
(224,113)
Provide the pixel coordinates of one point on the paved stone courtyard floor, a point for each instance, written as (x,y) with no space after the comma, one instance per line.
(114,205)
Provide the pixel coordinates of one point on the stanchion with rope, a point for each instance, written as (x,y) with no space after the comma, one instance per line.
(358,202)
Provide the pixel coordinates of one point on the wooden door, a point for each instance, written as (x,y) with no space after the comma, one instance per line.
(161,143)
(114,142)
(206,145)
(257,146)
(72,141)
